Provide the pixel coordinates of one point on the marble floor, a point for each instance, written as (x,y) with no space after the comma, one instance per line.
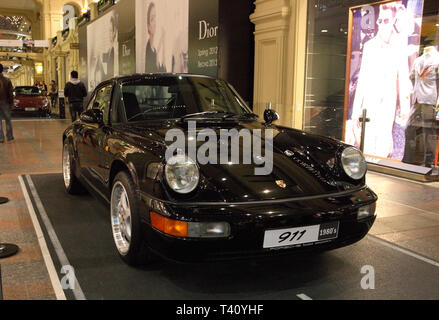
(408,212)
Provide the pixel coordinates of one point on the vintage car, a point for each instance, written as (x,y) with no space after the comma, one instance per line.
(30,100)
(171,204)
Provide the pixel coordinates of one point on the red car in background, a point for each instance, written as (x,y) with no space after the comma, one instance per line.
(30,100)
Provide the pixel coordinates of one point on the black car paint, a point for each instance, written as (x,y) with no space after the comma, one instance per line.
(317,189)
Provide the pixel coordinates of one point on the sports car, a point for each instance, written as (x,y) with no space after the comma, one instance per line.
(191,174)
(30,100)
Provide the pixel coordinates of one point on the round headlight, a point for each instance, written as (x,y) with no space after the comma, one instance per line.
(182,174)
(353,163)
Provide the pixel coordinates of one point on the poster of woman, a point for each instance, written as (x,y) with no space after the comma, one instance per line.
(384,42)
(102,49)
(162,36)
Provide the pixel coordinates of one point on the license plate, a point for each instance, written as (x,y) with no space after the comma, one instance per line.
(30,109)
(301,235)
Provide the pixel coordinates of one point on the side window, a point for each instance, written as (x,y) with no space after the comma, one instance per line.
(117,114)
(103,100)
(90,103)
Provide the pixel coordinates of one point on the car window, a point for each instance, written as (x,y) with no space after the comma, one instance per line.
(27,91)
(102,100)
(90,103)
(174,97)
(117,113)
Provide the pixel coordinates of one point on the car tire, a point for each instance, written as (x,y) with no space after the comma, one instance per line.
(125,221)
(71,182)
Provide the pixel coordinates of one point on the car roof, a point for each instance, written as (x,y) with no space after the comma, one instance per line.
(17,87)
(159,75)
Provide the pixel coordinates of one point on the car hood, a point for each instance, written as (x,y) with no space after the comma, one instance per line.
(303,164)
(37,99)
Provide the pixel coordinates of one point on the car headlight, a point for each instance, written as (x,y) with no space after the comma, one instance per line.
(353,163)
(45,102)
(16,101)
(182,174)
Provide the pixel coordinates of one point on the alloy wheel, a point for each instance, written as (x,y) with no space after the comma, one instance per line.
(66,165)
(121,218)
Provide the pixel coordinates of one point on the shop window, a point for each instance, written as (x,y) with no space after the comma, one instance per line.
(333,103)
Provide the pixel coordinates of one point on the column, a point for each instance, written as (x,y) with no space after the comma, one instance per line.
(280,45)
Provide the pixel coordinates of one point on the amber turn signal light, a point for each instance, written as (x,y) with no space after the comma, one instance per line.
(174,228)
(366,211)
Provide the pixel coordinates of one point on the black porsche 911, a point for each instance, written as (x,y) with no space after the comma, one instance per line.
(175,204)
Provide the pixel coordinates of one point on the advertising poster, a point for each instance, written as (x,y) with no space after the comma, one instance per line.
(203,37)
(126,37)
(383,45)
(162,36)
(102,49)
(83,70)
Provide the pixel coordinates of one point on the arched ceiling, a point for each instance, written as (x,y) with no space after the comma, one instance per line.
(14,27)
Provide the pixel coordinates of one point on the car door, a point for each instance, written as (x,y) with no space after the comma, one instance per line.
(92,138)
(81,129)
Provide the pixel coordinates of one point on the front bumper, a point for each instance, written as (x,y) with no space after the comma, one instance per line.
(30,110)
(249,223)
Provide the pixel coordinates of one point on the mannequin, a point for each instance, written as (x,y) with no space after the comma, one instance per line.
(425,78)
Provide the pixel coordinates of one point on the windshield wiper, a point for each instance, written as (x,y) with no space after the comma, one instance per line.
(202,114)
(141,114)
(225,115)
(244,115)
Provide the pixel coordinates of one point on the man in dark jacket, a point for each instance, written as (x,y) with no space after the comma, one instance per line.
(75,91)
(6,100)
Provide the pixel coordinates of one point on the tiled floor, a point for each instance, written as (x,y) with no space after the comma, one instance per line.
(408,212)
(36,149)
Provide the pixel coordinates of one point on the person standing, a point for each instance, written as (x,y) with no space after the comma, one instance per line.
(53,93)
(6,100)
(75,91)
(44,88)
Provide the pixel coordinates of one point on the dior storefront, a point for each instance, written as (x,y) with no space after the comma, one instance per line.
(380,57)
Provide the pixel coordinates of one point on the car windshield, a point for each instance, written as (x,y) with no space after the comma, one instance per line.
(180,97)
(27,91)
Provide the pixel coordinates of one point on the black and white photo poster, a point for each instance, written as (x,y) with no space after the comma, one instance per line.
(162,36)
(102,49)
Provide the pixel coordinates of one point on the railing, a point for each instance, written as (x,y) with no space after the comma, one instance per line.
(84,18)
(103,5)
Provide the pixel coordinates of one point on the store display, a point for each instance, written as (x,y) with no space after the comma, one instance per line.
(425,77)
(388,36)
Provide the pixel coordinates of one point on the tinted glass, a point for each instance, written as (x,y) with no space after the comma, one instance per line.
(103,100)
(175,97)
(27,91)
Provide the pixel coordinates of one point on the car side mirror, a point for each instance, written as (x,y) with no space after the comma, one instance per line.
(270,115)
(92,116)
